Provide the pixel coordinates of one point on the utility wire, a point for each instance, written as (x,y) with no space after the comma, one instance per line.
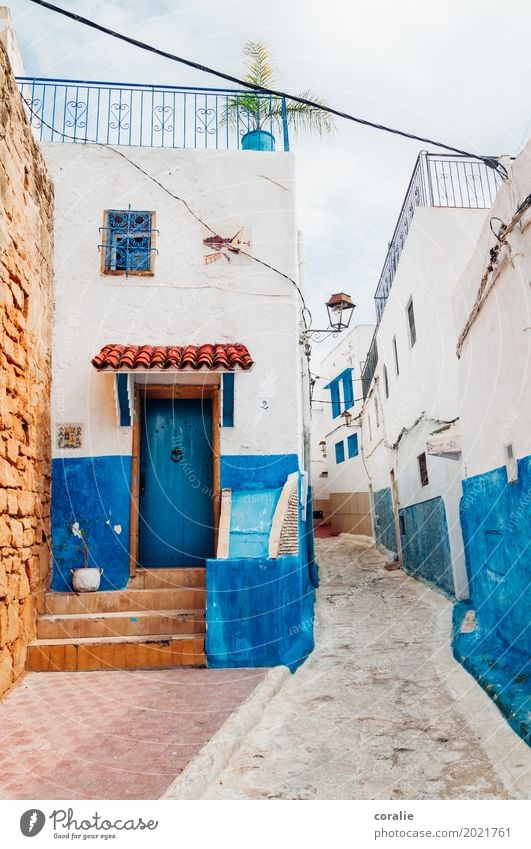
(305,312)
(490,161)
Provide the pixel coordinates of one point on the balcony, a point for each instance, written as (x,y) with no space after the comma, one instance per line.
(438,180)
(77,111)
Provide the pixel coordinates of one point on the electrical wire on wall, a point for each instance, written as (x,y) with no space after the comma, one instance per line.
(305,311)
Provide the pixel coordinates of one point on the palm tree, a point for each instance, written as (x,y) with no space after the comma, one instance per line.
(261,112)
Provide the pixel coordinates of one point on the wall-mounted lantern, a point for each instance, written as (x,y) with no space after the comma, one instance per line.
(347,416)
(340,308)
(322,446)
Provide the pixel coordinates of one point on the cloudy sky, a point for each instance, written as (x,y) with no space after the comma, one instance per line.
(457,70)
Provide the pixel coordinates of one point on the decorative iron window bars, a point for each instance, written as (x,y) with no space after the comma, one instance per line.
(127,246)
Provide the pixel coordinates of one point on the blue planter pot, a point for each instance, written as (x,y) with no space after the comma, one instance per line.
(258,140)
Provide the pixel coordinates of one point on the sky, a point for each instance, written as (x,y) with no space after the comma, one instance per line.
(458,71)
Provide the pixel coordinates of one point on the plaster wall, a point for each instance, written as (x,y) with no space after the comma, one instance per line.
(185,301)
(423,394)
(494,367)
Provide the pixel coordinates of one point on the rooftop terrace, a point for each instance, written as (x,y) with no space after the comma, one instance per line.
(136,114)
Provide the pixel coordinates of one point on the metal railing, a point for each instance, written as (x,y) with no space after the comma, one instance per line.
(150,115)
(438,180)
(369,366)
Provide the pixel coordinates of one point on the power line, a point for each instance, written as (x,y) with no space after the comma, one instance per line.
(490,161)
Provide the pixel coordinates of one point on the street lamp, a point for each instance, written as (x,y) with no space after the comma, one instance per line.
(340,308)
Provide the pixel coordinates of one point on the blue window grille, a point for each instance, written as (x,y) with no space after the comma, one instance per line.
(340,451)
(352,445)
(128,242)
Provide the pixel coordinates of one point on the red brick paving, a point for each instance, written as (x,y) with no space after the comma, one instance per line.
(111,735)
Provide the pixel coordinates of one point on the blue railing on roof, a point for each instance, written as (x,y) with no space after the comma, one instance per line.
(150,115)
(438,180)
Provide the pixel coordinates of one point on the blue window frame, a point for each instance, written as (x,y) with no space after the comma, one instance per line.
(340,451)
(339,404)
(336,401)
(128,242)
(352,445)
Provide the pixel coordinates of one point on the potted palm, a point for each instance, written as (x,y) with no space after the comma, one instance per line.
(255,115)
(85,578)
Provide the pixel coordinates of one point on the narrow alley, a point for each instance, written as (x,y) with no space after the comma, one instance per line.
(380,710)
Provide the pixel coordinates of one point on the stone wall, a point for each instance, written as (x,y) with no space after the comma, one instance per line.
(26,251)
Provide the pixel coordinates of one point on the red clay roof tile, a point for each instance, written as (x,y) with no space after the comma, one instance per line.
(217,356)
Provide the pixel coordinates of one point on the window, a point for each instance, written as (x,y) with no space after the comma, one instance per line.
(377,412)
(352,445)
(340,451)
(423,469)
(128,242)
(341,392)
(411,323)
(395,352)
(386,381)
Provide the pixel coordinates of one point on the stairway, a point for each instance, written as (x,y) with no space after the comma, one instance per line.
(157,622)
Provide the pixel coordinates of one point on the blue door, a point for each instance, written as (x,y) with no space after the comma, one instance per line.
(175,505)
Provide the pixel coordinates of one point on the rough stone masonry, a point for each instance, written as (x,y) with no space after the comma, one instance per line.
(26,259)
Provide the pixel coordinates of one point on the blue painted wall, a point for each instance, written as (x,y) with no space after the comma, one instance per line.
(260,611)
(426,545)
(93,491)
(496,523)
(384,520)
(256,471)
(250,522)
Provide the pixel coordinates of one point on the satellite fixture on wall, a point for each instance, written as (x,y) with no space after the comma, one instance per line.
(223,247)
(510,464)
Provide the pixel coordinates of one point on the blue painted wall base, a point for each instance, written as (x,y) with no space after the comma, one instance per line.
(259,612)
(426,545)
(384,519)
(94,491)
(504,674)
(496,523)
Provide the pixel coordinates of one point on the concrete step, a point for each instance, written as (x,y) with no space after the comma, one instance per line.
(114,601)
(132,623)
(150,579)
(92,653)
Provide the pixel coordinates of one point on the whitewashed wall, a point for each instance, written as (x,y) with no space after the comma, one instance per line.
(350,352)
(495,364)
(438,247)
(185,301)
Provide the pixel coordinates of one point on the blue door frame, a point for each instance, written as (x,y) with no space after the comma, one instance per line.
(177,484)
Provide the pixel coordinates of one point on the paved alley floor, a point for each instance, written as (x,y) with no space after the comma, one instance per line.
(111,735)
(379,711)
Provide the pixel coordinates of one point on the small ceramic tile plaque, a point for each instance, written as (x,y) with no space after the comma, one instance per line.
(69,436)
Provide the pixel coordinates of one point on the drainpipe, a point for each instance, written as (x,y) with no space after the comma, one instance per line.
(306,428)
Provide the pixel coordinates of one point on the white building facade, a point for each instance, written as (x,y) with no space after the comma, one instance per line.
(180,399)
(410,380)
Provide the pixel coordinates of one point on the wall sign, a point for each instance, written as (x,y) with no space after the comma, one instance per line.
(69,436)
(220,247)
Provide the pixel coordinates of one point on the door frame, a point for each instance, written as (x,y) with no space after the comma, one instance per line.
(396,513)
(173,392)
